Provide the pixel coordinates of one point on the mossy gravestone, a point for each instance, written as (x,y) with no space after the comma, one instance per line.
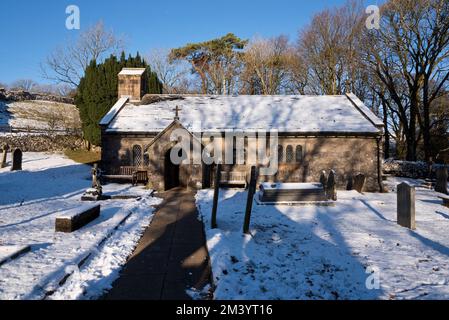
(359,182)
(406,206)
(16,160)
(441,183)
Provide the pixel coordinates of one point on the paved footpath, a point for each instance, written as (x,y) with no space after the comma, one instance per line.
(171,256)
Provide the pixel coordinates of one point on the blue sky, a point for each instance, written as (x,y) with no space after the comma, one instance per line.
(32,29)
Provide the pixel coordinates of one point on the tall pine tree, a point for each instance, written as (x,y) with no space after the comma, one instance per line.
(98,91)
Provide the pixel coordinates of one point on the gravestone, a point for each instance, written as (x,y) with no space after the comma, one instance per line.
(406,206)
(5,149)
(331,189)
(323,180)
(16,160)
(350,184)
(359,182)
(441,183)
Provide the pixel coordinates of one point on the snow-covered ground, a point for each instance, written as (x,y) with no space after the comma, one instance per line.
(317,252)
(41,115)
(29,202)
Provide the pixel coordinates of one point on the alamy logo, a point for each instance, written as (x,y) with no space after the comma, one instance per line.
(258,148)
(73,21)
(373,280)
(373,20)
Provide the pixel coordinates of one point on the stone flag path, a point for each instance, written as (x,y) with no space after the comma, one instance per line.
(171,256)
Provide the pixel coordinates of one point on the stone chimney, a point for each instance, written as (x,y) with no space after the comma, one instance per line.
(131,83)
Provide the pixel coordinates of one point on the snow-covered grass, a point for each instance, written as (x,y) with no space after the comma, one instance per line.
(39,115)
(29,202)
(316,252)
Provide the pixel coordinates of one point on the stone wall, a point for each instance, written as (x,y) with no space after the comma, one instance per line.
(21,95)
(347,156)
(409,169)
(35,143)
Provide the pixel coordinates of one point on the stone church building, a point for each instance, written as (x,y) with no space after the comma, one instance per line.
(315,133)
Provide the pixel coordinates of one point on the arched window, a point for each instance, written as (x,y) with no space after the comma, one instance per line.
(137,156)
(298,154)
(280,154)
(289,156)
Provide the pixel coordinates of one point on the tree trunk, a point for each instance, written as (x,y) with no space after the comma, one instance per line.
(387,134)
(426,129)
(411,132)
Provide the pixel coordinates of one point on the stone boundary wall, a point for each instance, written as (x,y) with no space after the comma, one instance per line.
(408,169)
(42,143)
(21,95)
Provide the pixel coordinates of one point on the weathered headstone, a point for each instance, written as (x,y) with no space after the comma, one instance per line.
(406,206)
(331,189)
(323,180)
(350,183)
(441,183)
(5,149)
(16,160)
(359,182)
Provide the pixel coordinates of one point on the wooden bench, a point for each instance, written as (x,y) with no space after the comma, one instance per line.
(233,178)
(445,199)
(74,219)
(132,174)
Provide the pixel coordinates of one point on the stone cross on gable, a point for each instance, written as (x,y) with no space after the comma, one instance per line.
(177,109)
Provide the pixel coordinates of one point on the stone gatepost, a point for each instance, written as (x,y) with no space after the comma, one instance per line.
(406,206)
(16,160)
(441,183)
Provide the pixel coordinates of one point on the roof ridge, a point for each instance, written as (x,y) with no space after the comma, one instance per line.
(364,110)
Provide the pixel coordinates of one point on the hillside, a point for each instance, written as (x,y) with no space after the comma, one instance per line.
(27,113)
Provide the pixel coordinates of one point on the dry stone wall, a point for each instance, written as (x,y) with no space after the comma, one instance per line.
(34,143)
(21,95)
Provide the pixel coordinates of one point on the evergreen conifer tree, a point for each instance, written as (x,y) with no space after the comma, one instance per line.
(98,91)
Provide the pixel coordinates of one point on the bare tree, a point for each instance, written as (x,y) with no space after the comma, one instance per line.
(61,89)
(24,84)
(298,78)
(172,74)
(409,55)
(67,63)
(328,46)
(266,65)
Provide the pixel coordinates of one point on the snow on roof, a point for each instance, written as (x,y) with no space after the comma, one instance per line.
(114,111)
(289,114)
(365,110)
(132,71)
